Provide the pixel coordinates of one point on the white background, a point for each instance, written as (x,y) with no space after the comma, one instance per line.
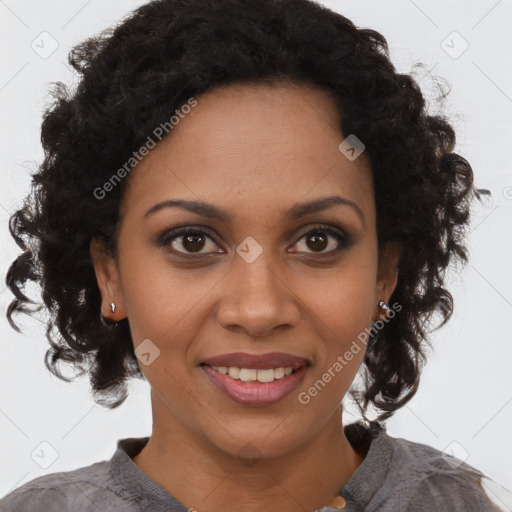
(466,390)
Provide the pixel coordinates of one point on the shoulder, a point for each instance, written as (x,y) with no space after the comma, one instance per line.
(82,489)
(429,479)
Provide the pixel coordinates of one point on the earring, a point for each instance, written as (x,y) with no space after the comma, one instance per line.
(113,307)
(383,305)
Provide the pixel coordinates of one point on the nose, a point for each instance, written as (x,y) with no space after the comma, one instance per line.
(257,300)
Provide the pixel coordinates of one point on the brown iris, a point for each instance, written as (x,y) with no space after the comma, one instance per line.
(317,241)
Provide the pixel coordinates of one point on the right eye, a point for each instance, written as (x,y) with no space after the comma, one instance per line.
(188,241)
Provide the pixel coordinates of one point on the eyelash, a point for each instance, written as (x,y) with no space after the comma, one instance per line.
(166,238)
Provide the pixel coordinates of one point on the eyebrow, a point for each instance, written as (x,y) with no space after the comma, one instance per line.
(295,212)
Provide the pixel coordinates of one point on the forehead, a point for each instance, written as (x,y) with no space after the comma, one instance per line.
(254,145)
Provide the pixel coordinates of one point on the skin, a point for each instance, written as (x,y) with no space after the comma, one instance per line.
(254,151)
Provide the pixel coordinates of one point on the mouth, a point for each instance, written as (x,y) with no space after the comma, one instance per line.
(264,375)
(256,387)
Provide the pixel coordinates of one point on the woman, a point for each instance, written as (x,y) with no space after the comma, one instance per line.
(245,204)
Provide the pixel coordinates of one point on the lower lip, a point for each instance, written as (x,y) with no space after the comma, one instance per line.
(255,393)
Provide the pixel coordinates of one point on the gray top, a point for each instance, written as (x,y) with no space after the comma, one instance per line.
(396,475)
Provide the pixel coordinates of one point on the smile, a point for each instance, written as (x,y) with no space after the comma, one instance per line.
(255,387)
(252,374)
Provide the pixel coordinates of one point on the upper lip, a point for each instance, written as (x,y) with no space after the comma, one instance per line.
(257,361)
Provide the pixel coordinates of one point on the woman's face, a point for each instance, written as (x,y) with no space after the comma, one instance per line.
(255,282)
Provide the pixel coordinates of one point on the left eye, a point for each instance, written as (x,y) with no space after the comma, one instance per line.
(323,240)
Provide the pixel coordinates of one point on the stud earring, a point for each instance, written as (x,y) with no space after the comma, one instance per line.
(383,305)
(113,307)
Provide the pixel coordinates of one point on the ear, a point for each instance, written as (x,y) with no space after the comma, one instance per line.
(107,276)
(387,275)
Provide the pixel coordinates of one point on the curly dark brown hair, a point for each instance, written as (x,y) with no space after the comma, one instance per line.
(134,76)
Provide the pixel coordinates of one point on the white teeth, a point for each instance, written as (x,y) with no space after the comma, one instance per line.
(252,375)
(233,372)
(249,375)
(279,373)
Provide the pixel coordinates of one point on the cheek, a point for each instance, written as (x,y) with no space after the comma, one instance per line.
(164,304)
(342,303)
(147,293)
(347,308)
(343,298)
(342,321)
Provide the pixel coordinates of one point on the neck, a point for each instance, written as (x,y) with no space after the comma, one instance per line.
(203,477)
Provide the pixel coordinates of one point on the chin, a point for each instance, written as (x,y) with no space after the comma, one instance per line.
(256,443)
